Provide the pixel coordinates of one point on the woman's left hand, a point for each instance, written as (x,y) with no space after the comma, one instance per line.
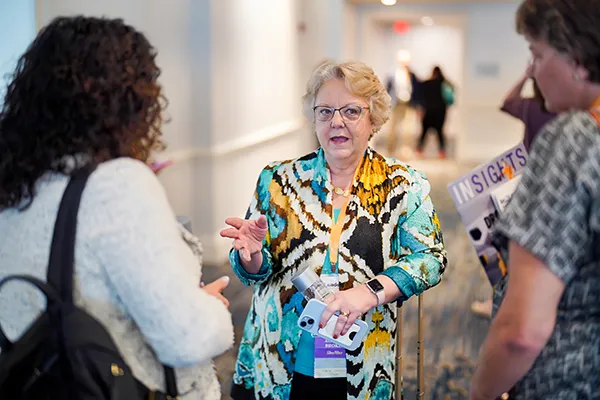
(351,304)
(158,166)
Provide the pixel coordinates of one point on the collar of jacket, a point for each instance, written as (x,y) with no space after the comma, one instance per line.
(323,176)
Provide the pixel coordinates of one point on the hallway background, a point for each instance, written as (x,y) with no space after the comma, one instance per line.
(234,72)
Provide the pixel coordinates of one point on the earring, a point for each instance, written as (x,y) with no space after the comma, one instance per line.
(577,76)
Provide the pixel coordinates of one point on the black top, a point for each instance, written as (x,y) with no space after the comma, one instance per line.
(432,95)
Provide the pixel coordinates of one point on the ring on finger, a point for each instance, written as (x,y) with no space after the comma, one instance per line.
(345,313)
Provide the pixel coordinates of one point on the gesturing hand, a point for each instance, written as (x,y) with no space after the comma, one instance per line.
(158,166)
(247,235)
(215,288)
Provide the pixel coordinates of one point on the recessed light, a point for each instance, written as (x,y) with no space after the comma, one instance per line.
(388,2)
(427,21)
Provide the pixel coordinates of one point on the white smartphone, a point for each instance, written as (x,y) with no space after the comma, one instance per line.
(311,316)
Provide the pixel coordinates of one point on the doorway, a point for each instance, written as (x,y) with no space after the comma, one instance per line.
(422,41)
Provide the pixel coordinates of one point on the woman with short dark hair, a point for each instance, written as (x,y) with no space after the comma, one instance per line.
(544,341)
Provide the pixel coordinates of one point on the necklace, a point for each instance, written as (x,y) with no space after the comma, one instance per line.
(341,192)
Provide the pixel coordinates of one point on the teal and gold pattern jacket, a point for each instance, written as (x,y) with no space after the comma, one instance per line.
(390,228)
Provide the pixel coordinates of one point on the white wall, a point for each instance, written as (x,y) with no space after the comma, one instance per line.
(17,30)
(132,11)
(348,32)
(231,73)
(254,67)
(329,31)
(255,99)
(169,29)
(374,54)
(490,41)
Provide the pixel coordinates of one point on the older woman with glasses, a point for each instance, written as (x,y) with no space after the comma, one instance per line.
(363,222)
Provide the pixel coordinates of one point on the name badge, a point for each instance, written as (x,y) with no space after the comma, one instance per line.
(330,359)
(332,281)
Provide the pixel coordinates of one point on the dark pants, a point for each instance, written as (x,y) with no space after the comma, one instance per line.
(433,119)
(304,388)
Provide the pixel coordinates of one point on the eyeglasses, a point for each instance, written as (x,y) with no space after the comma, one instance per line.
(349,113)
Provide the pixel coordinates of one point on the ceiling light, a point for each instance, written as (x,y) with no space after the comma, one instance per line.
(427,21)
(388,2)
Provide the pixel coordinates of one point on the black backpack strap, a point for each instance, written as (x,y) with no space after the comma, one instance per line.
(62,253)
(51,297)
(170,382)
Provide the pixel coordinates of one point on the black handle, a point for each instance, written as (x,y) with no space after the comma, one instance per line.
(49,292)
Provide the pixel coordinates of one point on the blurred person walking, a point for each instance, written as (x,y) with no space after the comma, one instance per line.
(438,95)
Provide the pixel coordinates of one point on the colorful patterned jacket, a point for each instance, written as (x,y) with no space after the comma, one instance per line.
(390,228)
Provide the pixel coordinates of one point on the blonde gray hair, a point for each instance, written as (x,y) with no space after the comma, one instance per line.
(360,80)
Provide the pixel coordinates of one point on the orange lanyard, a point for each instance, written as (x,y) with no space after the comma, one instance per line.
(336,233)
(337,227)
(594,110)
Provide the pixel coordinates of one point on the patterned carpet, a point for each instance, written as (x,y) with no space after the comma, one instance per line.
(453,334)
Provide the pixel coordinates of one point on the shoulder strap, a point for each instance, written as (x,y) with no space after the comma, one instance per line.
(170,382)
(62,253)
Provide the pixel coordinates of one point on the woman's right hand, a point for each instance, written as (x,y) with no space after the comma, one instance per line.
(248,236)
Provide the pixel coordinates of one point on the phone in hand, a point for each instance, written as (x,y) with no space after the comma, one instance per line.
(311,316)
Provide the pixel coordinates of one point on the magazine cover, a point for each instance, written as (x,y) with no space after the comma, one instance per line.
(475,196)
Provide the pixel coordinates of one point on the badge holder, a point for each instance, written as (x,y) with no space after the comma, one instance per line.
(330,358)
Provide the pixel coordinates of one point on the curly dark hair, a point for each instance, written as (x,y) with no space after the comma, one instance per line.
(569,26)
(85,88)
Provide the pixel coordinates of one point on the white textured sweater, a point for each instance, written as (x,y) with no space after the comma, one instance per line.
(134,272)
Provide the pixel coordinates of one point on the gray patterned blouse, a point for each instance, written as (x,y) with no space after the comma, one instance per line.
(555,215)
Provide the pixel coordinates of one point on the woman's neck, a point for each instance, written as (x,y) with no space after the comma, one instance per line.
(342,172)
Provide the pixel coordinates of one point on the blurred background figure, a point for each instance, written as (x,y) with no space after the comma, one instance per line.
(438,95)
(531,111)
(404,88)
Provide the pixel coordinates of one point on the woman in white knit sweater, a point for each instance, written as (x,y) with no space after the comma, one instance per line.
(86,92)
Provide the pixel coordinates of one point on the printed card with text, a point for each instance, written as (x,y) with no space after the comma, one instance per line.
(480,196)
